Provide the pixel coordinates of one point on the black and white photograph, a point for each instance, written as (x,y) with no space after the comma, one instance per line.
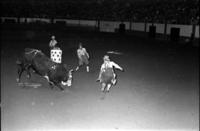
(99,65)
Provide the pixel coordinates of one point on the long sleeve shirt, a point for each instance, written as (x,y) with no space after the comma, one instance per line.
(110,64)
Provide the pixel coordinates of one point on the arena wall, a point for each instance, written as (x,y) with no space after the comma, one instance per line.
(111,26)
(138,26)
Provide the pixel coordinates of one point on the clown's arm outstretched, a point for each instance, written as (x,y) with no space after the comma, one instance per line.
(116,66)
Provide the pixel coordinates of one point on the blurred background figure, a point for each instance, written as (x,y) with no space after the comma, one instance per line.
(83,57)
(53,42)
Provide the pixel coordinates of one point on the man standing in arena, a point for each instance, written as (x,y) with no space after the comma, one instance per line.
(53,42)
(83,57)
(107,73)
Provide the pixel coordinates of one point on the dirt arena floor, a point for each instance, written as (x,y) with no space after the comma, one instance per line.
(159,89)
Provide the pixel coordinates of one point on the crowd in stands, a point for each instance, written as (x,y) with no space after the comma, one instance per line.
(158,11)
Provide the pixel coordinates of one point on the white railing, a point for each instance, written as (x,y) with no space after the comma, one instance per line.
(111,26)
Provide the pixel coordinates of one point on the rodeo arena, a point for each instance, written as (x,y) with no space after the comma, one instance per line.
(99,65)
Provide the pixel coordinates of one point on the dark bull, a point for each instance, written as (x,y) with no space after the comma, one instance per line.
(56,74)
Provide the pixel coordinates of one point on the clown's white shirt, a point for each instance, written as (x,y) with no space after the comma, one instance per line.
(52,43)
(109,64)
(81,52)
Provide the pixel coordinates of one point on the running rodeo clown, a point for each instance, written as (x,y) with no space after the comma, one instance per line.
(107,76)
(83,57)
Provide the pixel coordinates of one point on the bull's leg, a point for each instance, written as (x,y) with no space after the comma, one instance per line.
(59,86)
(20,71)
(28,72)
(47,78)
(50,83)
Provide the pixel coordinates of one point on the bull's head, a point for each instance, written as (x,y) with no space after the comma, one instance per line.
(68,79)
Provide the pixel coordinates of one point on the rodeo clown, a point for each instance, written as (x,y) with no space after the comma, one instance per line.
(107,76)
(53,42)
(83,57)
